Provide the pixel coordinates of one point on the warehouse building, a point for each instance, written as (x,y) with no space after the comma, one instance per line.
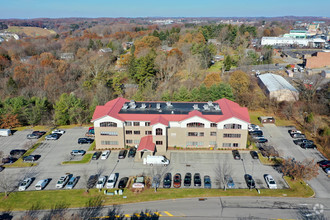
(155,126)
(276,87)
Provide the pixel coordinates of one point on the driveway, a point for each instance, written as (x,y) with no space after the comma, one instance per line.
(282,141)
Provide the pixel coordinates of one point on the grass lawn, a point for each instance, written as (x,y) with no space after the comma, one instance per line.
(77,198)
(271,161)
(85,159)
(278,121)
(92,146)
(217,66)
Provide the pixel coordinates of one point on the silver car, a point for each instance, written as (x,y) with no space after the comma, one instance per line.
(72,182)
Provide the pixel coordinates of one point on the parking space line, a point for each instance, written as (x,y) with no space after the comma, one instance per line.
(167,213)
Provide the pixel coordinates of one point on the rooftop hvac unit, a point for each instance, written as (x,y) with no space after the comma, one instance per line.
(133,106)
(158,106)
(169,104)
(132,102)
(210,103)
(143,106)
(125,107)
(195,106)
(206,107)
(217,107)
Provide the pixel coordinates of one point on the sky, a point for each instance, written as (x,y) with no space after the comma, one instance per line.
(162,8)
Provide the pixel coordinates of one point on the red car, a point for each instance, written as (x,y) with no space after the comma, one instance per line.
(177,180)
(324,163)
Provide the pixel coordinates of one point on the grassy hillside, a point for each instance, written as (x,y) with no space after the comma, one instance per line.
(31,31)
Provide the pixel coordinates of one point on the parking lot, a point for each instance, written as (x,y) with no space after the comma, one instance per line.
(54,152)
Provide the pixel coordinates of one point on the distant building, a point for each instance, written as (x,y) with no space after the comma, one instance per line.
(290,41)
(105,50)
(127,45)
(214,41)
(276,87)
(166,48)
(217,58)
(326,73)
(318,60)
(299,34)
(67,56)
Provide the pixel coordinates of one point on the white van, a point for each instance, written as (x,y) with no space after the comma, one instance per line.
(5,132)
(156,160)
(41,184)
(111,181)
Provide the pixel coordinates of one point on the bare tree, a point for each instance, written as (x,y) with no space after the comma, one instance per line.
(306,169)
(32,213)
(57,212)
(221,170)
(93,208)
(8,183)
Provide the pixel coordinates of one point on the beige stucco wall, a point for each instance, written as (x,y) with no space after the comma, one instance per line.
(284,95)
(99,138)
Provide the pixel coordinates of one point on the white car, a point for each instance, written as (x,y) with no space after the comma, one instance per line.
(58,131)
(253,127)
(24,184)
(100,182)
(62,181)
(111,181)
(41,184)
(270,182)
(105,154)
(72,182)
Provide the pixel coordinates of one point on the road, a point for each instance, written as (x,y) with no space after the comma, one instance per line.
(218,208)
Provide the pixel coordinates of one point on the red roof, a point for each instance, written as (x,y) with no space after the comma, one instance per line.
(146,144)
(229,109)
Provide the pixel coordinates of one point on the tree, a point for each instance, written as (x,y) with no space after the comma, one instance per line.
(227,63)
(9,121)
(145,69)
(306,169)
(221,170)
(36,110)
(211,79)
(7,183)
(239,82)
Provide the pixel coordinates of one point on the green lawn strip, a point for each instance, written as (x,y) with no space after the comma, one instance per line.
(85,159)
(92,146)
(271,161)
(20,163)
(77,198)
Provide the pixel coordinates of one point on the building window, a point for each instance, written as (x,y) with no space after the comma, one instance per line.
(159,142)
(213,125)
(108,124)
(232,126)
(193,134)
(213,143)
(231,135)
(147,124)
(128,123)
(235,144)
(195,125)
(195,143)
(110,133)
(226,144)
(136,141)
(128,132)
(129,141)
(136,123)
(137,132)
(212,133)
(109,142)
(148,132)
(159,131)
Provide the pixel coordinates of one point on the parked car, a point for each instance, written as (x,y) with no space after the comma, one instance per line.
(33,136)
(72,182)
(122,154)
(105,154)
(62,181)
(327,170)
(293,131)
(229,182)
(41,184)
(254,155)
(253,127)
(58,131)
(131,152)
(298,135)
(92,181)
(55,136)
(40,133)
(302,140)
(100,182)
(111,182)
(17,152)
(249,181)
(31,158)
(78,152)
(197,179)
(156,181)
(167,180)
(1,168)
(122,182)
(256,133)
(187,179)
(8,160)
(207,182)
(236,155)
(324,163)
(177,180)
(96,155)
(270,182)
(24,184)
(85,140)
(261,140)
(308,145)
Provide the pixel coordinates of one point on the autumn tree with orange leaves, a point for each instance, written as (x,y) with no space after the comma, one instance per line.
(306,169)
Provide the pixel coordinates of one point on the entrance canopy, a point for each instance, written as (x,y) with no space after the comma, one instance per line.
(146,144)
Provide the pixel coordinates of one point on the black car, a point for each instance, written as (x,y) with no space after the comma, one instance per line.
(236,155)
(256,133)
(122,154)
(40,133)
(302,140)
(85,140)
(249,181)
(308,145)
(96,155)
(167,180)
(31,158)
(122,182)
(197,179)
(324,163)
(187,179)
(131,152)
(261,140)
(33,136)
(17,152)
(254,155)
(8,160)
(92,181)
